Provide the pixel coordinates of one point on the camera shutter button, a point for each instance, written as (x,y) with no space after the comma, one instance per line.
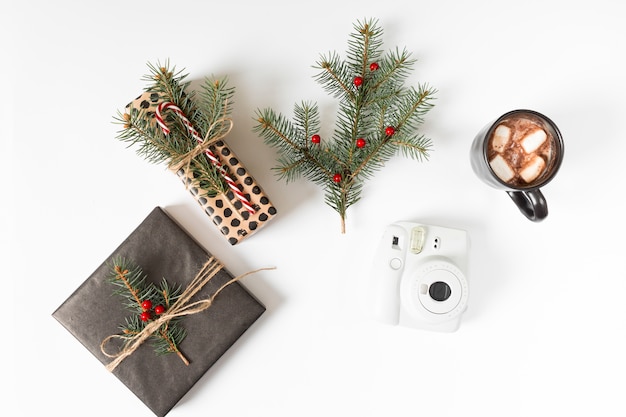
(395,263)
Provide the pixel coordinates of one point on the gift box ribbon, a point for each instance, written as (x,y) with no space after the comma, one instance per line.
(182,307)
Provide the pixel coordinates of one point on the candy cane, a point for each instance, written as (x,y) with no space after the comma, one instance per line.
(193,132)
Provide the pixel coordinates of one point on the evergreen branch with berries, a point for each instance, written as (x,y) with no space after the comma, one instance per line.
(377,118)
(147,301)
(207,111)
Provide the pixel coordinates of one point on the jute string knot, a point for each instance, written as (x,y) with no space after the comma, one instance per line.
(202,147)
(182,307)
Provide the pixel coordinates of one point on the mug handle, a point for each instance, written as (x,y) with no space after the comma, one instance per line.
(531,203)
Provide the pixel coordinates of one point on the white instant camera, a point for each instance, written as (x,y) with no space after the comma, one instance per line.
(419,277)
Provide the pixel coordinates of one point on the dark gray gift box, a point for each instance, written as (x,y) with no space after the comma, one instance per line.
(163,250)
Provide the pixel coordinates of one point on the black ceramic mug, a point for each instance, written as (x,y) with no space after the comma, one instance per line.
(519,152)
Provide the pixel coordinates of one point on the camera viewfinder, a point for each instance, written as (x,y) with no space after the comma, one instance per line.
(417,239)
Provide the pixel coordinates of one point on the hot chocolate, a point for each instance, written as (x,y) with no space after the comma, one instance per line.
(521,150)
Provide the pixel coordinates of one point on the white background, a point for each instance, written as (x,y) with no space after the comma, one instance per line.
(545,331)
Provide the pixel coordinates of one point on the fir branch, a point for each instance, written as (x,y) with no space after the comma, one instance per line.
(170,83)
(130,282)
(217,102)
(168,294)
(132,286)
(170,337)
(307,119)
(416,147)
(282,133)
(208,112)
(335,76)
(377,117)
(412,106)
(395,68)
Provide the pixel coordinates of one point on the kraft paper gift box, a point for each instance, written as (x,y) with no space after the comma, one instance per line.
(228,214)
(163,250)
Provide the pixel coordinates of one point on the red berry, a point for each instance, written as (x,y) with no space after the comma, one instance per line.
(358,81)
(146,305)
(337,177)
(360,142)
(390,130)
(316,139)
(159,309)
(374,66)
(145,316)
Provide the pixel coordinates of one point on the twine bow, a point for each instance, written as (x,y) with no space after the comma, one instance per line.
(181,307)
(202,147)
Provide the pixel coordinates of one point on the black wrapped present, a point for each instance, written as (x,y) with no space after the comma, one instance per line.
(163,250)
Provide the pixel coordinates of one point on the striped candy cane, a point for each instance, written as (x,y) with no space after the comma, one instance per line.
(194,133)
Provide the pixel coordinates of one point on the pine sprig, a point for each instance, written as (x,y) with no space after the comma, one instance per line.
(377,118)
(146,301)
(208,111)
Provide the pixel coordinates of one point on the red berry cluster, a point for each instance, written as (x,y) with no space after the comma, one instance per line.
(146,305)
(358,80)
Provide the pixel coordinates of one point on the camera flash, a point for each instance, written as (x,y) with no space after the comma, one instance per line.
(417,239)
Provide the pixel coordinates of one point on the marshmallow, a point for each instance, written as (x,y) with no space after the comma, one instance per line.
(533,169)
(501,137)
(533,140)
(501,168)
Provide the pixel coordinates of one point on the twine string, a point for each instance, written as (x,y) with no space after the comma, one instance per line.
(180,308)
(202,147)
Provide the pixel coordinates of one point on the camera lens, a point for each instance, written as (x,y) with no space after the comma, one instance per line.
(439,291)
